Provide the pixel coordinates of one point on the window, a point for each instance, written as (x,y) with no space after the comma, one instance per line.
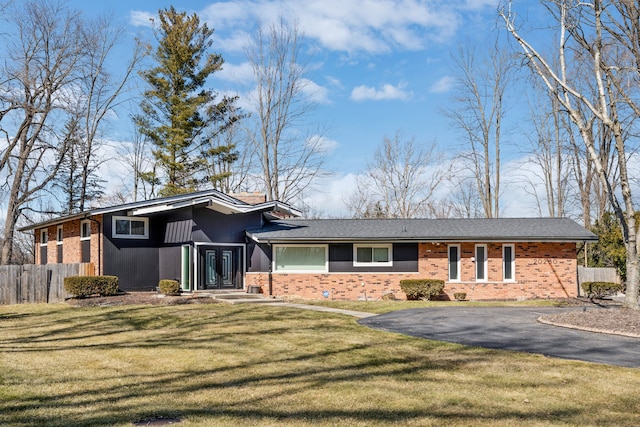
(130,227)
(372,255)
(454,263)
(59,235)
(288,258)
(85,230)
(508,263)
(481,263)
(44,237)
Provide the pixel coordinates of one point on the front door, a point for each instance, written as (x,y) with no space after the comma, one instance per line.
(222,267)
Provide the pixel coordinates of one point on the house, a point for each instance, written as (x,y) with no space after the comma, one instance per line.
(498,258)
(209,241)
(197,239)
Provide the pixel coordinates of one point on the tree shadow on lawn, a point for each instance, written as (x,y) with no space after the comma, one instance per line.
(257,383)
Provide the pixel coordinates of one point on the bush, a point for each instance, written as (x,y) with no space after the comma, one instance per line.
(85,286)
(421,289)
(601,289)
(169,287)
(460,296)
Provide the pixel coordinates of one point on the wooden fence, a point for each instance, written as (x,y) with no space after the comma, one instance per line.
(22,284)
(596,274)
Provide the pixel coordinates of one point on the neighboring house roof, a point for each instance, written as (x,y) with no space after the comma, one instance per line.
(450,230)
(211,199)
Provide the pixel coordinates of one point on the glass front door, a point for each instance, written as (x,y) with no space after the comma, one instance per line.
(222,268)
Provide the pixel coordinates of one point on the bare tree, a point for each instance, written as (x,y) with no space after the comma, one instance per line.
(548,177)
(37,80)
(478,111)
(290,152)
(582,27)
(137,157)
(101,92)
(400,181)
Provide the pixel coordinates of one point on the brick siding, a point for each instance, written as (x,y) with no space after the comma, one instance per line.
(542,270)
(250,198)
(71,243)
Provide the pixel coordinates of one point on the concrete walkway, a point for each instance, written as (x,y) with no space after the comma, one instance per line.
(358,314)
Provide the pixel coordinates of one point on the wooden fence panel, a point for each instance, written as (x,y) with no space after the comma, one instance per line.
(38,283)
(596,274)
(10,284)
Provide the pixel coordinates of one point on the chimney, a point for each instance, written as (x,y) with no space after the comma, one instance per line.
(250,198)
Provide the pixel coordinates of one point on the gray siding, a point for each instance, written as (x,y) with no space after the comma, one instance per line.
(170,260)
(405,259)
(133,261)
(141,263)
(212,226)
(258,257)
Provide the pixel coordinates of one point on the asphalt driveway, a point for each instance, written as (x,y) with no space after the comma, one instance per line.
(510,328)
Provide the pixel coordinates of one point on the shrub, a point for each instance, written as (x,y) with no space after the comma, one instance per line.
(85,286)
(601,289)
(421,289)
(169,287)
(460,296)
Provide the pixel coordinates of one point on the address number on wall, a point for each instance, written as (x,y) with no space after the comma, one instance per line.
(540,261)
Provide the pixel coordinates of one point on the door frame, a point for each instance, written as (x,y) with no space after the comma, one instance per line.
(198,271)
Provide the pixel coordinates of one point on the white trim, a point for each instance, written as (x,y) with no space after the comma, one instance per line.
(274,262)
(44,236)
(144,220)
(189,273)
(458,262)
(513,263)
(388,246)
(88,223)
(59,235)
(484,262)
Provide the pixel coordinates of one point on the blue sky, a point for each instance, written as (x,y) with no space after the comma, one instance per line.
(378,66)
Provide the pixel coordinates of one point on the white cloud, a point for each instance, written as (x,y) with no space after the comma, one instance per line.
(314,92)
(330,201)
(443,85)
(241,73)
(373,26)
(139,18)
(386,92)
(323,144)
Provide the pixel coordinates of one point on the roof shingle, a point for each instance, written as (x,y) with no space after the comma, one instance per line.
(476,229)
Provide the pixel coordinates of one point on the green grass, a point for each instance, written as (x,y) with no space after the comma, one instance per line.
(380,307)
(215,364)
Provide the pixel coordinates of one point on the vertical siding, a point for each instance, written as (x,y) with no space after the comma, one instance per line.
(170,262)
(134,261)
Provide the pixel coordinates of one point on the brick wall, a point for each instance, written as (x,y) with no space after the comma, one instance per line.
(250,198)
(542,270)
(71,244)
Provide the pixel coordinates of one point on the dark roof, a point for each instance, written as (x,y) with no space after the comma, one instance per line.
(481,229)
(220,201)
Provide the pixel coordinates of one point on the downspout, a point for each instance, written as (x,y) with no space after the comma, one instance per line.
(99,244)
(271,272)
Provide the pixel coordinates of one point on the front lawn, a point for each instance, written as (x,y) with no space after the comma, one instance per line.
(216,364)
(380,307)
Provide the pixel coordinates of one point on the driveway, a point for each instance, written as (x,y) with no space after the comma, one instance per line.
(510,328)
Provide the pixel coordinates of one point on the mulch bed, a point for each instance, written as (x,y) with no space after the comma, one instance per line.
(141,298)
